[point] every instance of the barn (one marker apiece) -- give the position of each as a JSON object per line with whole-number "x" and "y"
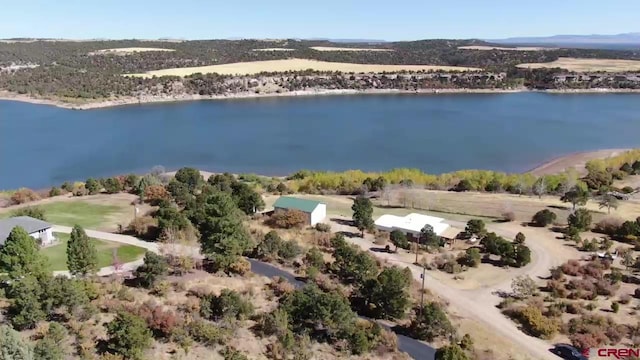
{"x": 316, "y": 211}
{"x": 413, "y": 223}
{"x": 38, "y": 229}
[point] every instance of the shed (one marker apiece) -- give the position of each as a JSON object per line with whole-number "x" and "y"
{"x": 38, "y": 229}
{"x": 315, "y": 210}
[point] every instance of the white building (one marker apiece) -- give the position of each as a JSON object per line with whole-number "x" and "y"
{"x": 38, "y": 229}
{"x": 413, "y": 224}
{"x": 316, "y": 211}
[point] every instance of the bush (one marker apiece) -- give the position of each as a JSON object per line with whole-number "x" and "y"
{"x": 571, "y": 268}
{"x": 471, "y": 258}
{"x": 322, "y": 227}
{"x": 432, "y": 324}
{"x": 535, "y": 323}
{"x": 128, "y": 336}
{"x": 154, "y": 194}
{"x": 615, "y": 307}
{"x": 625, "y": 299}
{"x": 509, "y": 216}
{"x": 24, "y": 195}
{"x": 628, "y": 190}
{"x": 608, "y": 226}
{"x": 580, "y": 219}
{"x": 55, "y": 191}
{"x": 144, "y": 226}
{"x": 31, "y": 211}
{"x": 288, "y": 219}
{"x": 636, "y": 293}
{"x": 543, "y": 218}
{"x": 162, "y": 322}
{"x": 228, "y": 303}
{"x": 205, "y": 333}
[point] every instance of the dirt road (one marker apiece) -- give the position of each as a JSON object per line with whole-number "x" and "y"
{"x": 479, "y": 304}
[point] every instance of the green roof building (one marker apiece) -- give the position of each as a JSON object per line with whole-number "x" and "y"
{"x": 315, "y": 210}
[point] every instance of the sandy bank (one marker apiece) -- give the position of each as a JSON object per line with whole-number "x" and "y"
{"x": 5, "y": 95}
{"x": 576, "y": 160}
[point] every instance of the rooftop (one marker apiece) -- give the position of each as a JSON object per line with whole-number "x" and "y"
{"x": 292, "y": 203}
{"x": 413, "y": 223}
{"x": 30, "y": 224}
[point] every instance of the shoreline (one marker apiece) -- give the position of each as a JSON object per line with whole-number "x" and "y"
{"x": 9, "y": 96}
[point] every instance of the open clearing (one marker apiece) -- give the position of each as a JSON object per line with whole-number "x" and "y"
{"x": 96, "y": 212}
{"x": 255, "y": 67}
{"x": 57, "y": 254}
{"x": 330, "y": 48}
{"x": 517, "y": 48}
{"x": 274, "y": 49}
{"x": 126, "y": 51}
{"x": 585, "y": 65}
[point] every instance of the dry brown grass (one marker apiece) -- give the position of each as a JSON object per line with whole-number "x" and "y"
{"x": 274, "y": 49}
{"x": 255, "y": 67}
{"x": 517, "y": 48}
{"x": 331, "y": 48}
{"x": 587, "y": 65}
{"x": 126, "y": 51}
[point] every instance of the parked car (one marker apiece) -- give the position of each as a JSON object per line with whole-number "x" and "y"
{"x": 568, "y": 352}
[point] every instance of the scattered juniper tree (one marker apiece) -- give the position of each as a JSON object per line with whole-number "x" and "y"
{"x": 362, "y": 214}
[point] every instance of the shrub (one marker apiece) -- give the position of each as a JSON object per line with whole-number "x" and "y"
{"x": 471, "y": 258}
{"x": 543, "y": 218}
{"x": 32, "y": 211}
{"x": 580, "y": 219}
{"x": 154, "y": 194}
{"x": 535, "y": 323}
{"x": 571, "y": 268}
{"x": 162, "y": 322}
{"x": 24, "y": 195}
{"x": 228, "y": 303}
{"x": 627, "y": 190}
{"x": 79, "y": 189}
{"x": 557, "y": 288}
{"x": 128, "y": 335}
{"x": 113, "y": 185}
{"x": 287, "y": 219}
{"x": 143, "y": 226}
{"x": 240, "y": 266}
{"x": 615, "y": 307}
{"x": 636, "y": 293}
{"x": 55, "y": 191}
{"x": 322, "y": 227}
{"x": 608, "y": 226}
{"x": 205, "y": 332}
{"x": 625, "y": 299}
{"x": 509, "y": 216}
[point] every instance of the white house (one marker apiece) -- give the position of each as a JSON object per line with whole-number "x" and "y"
{"x": 316, "y": 211}
{"x": 38, "y": 229}
{"x": 413, "y": 223}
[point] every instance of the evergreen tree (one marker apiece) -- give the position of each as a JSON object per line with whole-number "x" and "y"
{"x": 451, "y": 352}
{"x": 26, "y": 309}
{"x": 12, "y": 346}
{"x": 387, "y": 295}
{"x": 82, "y": 256}
{"x": 129, "y": 336}
{"x": 362, "y": 214}
{"x": 154, "y": 266}
{"x": 20, "y": 256}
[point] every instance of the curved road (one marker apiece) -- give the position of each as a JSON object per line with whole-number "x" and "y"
{"x": 415, "y": 348}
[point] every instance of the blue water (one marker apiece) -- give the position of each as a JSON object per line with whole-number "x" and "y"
{"x": 44, "y": 145}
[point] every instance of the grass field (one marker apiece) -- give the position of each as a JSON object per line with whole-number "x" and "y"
{"x": 85, "y": 214}
{"x": 517, "y": 48}
{"x": 254, "y": 67}
{"x": 330, "y": 48}
{"x": 585, "y": 65}
{"x": 126, "y": 51}
{"x": 57, "y": 254}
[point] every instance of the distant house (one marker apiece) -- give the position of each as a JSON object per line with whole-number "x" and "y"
{"x": 413, "y": 224}
{"x": 315, "y": 210}
{"x": 38, "y": 229}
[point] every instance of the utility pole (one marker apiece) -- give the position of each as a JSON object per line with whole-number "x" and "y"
{"x": 424, "y": 268}
{"x": 417, "y": 247}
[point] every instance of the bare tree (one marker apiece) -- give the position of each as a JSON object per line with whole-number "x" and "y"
{"x": 540, "y": 187}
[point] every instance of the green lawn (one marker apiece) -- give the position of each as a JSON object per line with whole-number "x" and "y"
{"x": 57, "y": 254}
{"x": 70, "y": 213}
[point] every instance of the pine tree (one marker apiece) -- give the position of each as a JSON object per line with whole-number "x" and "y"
{"x": 82, "y": 257}
{"x": 362, "y": 214}
{"x": 21, "y": 256}
{"x": 12, "y": 346}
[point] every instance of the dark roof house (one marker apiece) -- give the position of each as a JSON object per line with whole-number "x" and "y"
{"x": 30, "y": 225}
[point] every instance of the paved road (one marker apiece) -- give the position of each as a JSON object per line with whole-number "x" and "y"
{"x": 414, "y": 348}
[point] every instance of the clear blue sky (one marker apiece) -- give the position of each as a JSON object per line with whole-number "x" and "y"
{"x": 368, "y": 19}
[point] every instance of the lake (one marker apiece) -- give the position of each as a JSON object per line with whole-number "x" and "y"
{"x": 43, "y": 145}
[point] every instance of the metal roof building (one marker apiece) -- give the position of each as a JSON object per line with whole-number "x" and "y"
{"x": 315, "y": 210}
{"x": 414, "y": 223}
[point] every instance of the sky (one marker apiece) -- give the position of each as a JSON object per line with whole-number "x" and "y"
{"x": 336, "y": 19}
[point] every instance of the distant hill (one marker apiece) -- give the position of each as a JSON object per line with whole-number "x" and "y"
{"x": 628, "y": 40}
{"x": 352, "y": 41}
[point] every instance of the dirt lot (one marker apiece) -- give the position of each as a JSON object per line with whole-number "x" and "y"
{"x": 586, "y": 65}
{"x": 330, "y": 48}
{"x": 254, "y": 67}
{"x": 517, "y": 48}
{"x": 126, "y": 51}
